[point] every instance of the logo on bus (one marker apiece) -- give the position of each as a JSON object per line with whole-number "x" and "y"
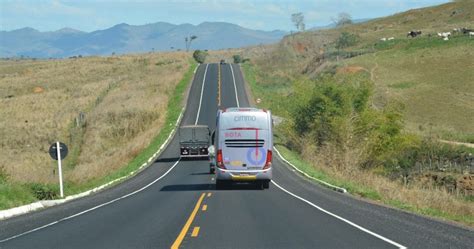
{"x": 232, "y": 134}
{"x": 245, "y": 118}
{"x": 256, "y": 156}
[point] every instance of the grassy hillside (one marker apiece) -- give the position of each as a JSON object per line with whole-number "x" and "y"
{"x": 432, "y": 77}
{"x": 369, "y": 115}
{"x": 107, "y": 110}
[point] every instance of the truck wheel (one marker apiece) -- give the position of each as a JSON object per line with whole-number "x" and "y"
{"x": 223, "y": 184}
{"x": 219, "y": 184}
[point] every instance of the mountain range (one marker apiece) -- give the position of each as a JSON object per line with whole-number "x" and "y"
{"x": 124, "y": 38}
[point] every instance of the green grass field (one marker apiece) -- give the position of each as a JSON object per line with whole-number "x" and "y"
{"x": 432, "y": 78}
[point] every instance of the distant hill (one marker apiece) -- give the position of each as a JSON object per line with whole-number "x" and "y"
{"x": 124, "y": 38}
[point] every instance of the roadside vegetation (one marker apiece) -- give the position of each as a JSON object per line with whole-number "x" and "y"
{"x": 368, "y": 114}
{"x": 112, "y": 112}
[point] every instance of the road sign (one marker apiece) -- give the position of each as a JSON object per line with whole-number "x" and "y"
{"x": 58, "y": 151}
{"x": 53, "y": 150}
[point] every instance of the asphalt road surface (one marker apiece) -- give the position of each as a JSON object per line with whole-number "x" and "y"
{"x": 174, "y": 203}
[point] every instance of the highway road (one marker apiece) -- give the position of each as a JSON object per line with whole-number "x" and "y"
{"x": 174, "y": 203}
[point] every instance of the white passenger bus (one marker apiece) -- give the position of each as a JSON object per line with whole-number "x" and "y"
{"x": 243, "y": 143}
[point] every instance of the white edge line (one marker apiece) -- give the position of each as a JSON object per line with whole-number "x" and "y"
{"x": 195, "y": 70}
{"x": 235, "y": 86}
{"x": 329, "y": 185}
{"x": 42, "y": 204}
{"x": 5, "y": 214}
{"x": 8, "y": 213}
{"x": 340, "y": 218}
{"x": 93, "y": 208}
{"x": 338, "y": 189}
{"x": 202, "y": 92}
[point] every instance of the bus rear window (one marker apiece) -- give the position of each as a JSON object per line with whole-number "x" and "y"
{"x": 243, "y": 121}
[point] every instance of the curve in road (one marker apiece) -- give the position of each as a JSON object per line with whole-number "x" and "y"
{"x": 174, "y": 203}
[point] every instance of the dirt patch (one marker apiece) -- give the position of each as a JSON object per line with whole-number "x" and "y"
{"x": 300, "y": 47}
{"x": 38, "y": 89}
{"x": 466, "y": 183}
{"x": 452, "y": 183}
{"x": 351, "y": 69}
{"x": 470, "y": 145}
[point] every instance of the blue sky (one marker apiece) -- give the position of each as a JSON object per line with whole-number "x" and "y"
{"x": 89, "y": 15}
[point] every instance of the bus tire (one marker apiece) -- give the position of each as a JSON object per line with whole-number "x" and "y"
{"x": 266, "y": 184}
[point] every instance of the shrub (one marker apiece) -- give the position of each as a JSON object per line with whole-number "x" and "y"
{"x": 322, "y": 105}
{"x": 237, "y": 59}
{"x": 44, "y": 192}
{"x": 200, "y": 56}
{"x": 346, "y": 40}
{"x": 336, "y": 112}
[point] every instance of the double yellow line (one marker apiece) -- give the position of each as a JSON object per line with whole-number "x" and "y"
{"x": 190, "y": 220}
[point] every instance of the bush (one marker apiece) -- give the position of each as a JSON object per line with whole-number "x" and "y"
{"x": 346, "y": 40}
{"x": 237, "y": 59}
{"x": 44, "y": 192}
{"x": 332, "y": 112}
{"x": 200, "y": 56}
{"x": 322, "y": 104}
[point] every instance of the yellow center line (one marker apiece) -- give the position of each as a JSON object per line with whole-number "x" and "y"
{"x": 195, "y": 232}
{"x": 204, "y": 207}
{"x": 185, "y": 229}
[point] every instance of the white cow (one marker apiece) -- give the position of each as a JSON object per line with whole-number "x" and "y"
{"x": 445, "y": 35}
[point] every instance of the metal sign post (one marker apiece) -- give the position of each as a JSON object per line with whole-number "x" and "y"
{"x": 58, "y": 150}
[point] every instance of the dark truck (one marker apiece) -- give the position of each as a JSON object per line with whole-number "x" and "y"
{"x": 194, "y": 140}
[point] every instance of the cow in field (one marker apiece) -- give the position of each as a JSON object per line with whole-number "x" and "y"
{"x": 414, "y": 33}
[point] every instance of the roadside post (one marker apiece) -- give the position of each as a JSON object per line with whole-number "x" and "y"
{"x": 58, "y": 151}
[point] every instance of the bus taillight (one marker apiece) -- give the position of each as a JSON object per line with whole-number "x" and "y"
{"x": 268, "y": 162}
{"x": 220, "y": 162}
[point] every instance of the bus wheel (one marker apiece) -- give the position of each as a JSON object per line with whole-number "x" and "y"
{"x": 266, "y": 184}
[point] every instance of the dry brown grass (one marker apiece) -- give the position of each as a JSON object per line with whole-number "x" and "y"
{"x": 124, "y": 99}
{"x": 419, "y": 196}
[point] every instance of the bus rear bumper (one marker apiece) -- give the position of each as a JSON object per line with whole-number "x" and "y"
{"x": 243, "y": 175}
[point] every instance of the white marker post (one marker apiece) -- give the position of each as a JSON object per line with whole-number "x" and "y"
{"x": 58, "y": 151}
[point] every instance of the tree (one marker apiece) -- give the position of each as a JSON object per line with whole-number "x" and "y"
{"x": 345, "y": 40}
{"x": 298, "y": 21}
{"x": 188, "y": 40}
{"x": 199, "y": 56}
{"x": 342, "y": 19}
{"x": 237, "y": 58}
